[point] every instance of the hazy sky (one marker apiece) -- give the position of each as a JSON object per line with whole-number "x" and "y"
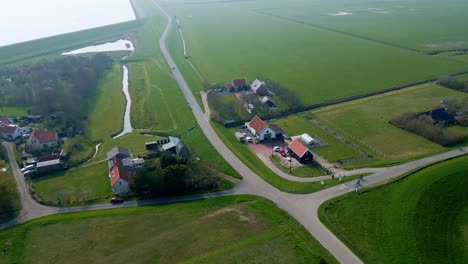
{"x": 23, "y": 20}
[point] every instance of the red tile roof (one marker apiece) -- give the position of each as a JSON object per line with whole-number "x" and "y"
{"x": 257, "y": 124}
{"x": 298, "y": 149}
{"x": 8, "y": 129}
{"x": 5, "y": 120}
{"x": 44, "y": 137}
{"x": 120, "y": 172}
{"x": 48, "y": 157}
{"x": 239, "y": 83}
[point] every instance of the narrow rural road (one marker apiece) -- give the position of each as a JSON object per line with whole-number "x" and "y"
{"x": 304, "y": 208}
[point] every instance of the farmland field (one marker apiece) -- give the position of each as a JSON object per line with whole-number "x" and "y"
{"x": 13, "y": 111}
{"x": 382, "y": 21}
{"x": 422, "y": 218}
{"x": 365, "y": 121}
{"x": 321, "y": 65}
{"x": 220, "y": 230}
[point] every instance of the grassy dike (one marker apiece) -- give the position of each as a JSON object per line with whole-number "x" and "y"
{"x": 246, "y": 229}
{"x": 419, "y": 218}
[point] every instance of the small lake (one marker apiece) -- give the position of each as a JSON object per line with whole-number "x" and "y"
{"x": 121, "y": 44}
{"x": 24, "y": 20}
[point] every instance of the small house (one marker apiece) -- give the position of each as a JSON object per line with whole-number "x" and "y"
{"x": 230, "y": 88}
{"x": 41, "y": 141}
{"x": 119, "y": 152}
{"x": 260, "y": 129}
{"x": 300, "y": 152}
{"x": 280, "y": 134}
{"x": 176, "y": 146}
{"x": 259, "y": 88}
{"x": 49, "y": 166}
{"x": 121, "y": 178}
{"x": 442, "y": 116}
{"x": 266, "y": 100}
{"x": 5, "y": 121}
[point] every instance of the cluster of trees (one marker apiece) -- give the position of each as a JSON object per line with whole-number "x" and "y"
{"x": 289, "y": 97}
{"x": 459, "y": 109}
{"x": 171, "y": 176}
{"x": 425, "y": 128}
{"x": 226, "y": 108}
{"x": 452, "y": 83}
{"x": 61, "y": 87}
{"x": 9, "y": 199}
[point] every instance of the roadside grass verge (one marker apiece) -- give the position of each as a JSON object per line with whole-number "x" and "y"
{"x": 257, "y": 166}
{"x": 10, "y": 203}
{"x": 366, "y": 122}
{"x": 306, "y": 171}
{"x": 236, "y": 228}
{"x": 202, "y": 149}
{"x": 423, "y": 220}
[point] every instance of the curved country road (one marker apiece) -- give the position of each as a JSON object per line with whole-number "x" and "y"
{"x": 302, "y": 207}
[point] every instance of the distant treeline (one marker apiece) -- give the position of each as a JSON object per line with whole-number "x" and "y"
{"x": 452, "y": 83}
{"x": 60, "y": 87}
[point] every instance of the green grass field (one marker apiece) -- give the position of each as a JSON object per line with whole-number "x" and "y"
{"x": 238, "y": 229}
{"x": 106, "y": 117}
{"x": 365, "y": 121}
{"x": 307, "y": 59}
{"x": 13, "y": 111}
{"x": 75, "y": 186}
{"x": 296, "y": 125}
{"x": 306, "y": 171}
{"x": 422, "y": 218}
{"x": 381, "y": 21}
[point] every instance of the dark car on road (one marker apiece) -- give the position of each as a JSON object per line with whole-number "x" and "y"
{"x": 116, "y": 200}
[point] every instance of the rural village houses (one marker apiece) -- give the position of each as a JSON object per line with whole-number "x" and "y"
{"x": 10, "y": 131}
{"x": 259, "y": 88}
{"x": 122, "y": 169}
{"x": 297, "y": 150}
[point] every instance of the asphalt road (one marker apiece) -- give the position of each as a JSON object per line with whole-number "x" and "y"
{"x": 302, "y": 207}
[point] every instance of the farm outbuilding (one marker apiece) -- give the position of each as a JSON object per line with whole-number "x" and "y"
{"x": 307, "y": 140}
{"x": 297, "y": 150}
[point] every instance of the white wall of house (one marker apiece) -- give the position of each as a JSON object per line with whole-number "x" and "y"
{"x": 121, "y": 187}
{"x": 267, "y": 131}
{"x": 36, "y": 146}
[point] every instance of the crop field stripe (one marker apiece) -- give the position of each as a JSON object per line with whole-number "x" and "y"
{"x": 340, "y": 32}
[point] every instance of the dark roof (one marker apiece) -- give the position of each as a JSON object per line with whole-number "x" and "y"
{"x": 239, "y": 83}
{"x": 48, "y": 157}
{"x": 45, "y": 136}
{"x": 276, "y": 128}
{"x": 8, "y": 129}
{"x": 121, "y": 152}
{"x": 5, "y": 120}
{"x": 298, "y": 148}
{"x": 257, "y": 124}
{"x": 441, "y": 114}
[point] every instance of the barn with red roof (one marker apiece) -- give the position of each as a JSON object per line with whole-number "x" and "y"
{"x": 297, "y": 150}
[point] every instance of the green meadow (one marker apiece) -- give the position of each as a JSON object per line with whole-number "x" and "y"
{"x": 384, "y": 21}
{"x": 366, "y": 121}
{"x": 233, "y": 40}
{"x": 420, "y": 218}
{"x": 237, "y": 229}
{"x": 13, "y": 111}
